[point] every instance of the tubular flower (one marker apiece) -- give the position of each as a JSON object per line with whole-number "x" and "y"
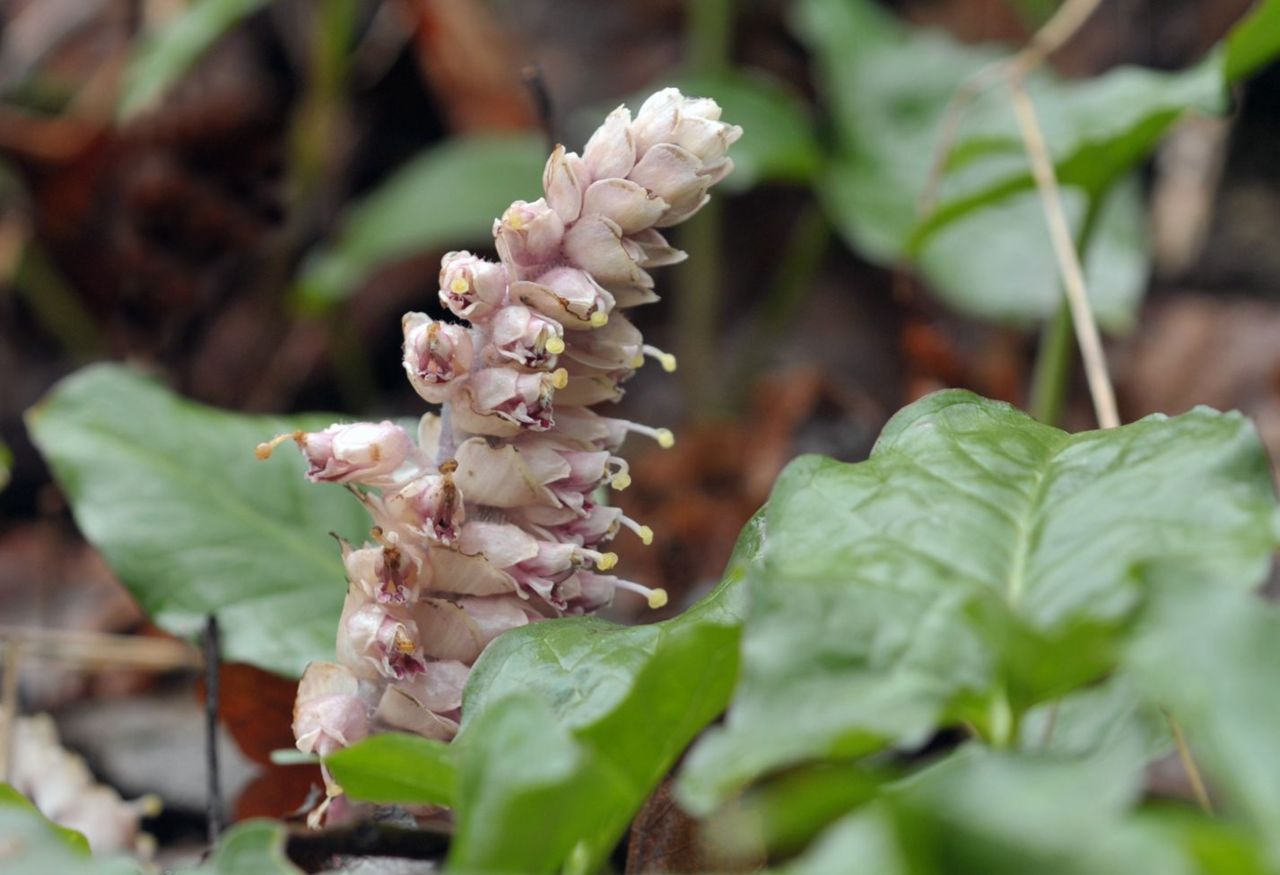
{"x": 493, "y": 518}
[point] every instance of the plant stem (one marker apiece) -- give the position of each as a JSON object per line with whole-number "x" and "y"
{"x": 1189, "y": 765}
{"x": 792, "y": 281}
{"x": 1095, "y": 362}
{"x": 1056, "y": 351}
{"x": 212, "y": 660}
{"x": 708, "y": 30}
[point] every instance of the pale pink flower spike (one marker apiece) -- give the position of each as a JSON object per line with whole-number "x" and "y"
{"x": 491, "y": 521}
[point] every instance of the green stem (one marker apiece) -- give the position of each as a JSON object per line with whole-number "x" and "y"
{"x": 708, "y": 32}
{"x": 792, "y": 282}
{"x": 1056, "y": 355}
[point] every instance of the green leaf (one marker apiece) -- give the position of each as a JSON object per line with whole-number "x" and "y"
{"x": 192, "y": 522}
{"x": 582, "y": 717}
{"x": 447, "y": 196}
{"x": 1098, "y": 130}
{"x": 161, "y": 59}
{"x": 31, "y": 844}
{"x": 6, "y": 464}
{"x": 395, "y": 768}
{"x": 252, "y": 847}
{"x": 978, "y": 563}
{"x": 778, "y": 143}
{"x": 1211, "y": 659}
{"x": 1005, "y": 813}
{"x": 887, "y": 86}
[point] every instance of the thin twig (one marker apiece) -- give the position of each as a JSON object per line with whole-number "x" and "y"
{"x": 9, "y": 704}
{"x": 1095, "y": 362}
{"x": 1189, "y": 765}
{"x": 101, "y": 649}
{"x": 212, "y": 658}
{"x": 1051, "y": 36}
{"x": 536, "y": 81}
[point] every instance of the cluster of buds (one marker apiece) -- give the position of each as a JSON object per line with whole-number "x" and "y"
{"x": 59, "y": 784}
{"x": 491, "y": 518}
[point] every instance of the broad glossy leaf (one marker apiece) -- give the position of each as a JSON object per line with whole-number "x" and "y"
{"x": 31, "y": 844}
{"x": 887, "y": 86}
{"x": 1213, "y": 660}
{"x": 447, "y": 196}
{"x": 1006, "y": 813}
{"x": 569, "y": 725}
{"x": 1099, "y": 129}
{"x": 192, "y": 522}
{"x": 396, "y": 768}
{"x": 253, "y": 847}
{"x": 979, "y": 562}
{"x": 161, "y": 59}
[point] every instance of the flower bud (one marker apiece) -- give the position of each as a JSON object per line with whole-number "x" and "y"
{"x": 589, "y": 386}
{"x": 459, "y": 628}
{"x": 436, "y": 355}
{"x": 629, "y": 205}
{"x": 430, "y": 506}
{"x": 528, "y": 234}
{"x": 471, "y": 287}
{"x": 673, "y": 174}
{"x": 374, "y": 642}
{"x": 656, "y": 120}
{"x": 328, "y": 713}
{"x": 526, "y": 338}
{"x": 584, "y": 592}
{"x": 655, "y": 251}
{"x": 568, "y": 295}
{"x": 400, "y": 709}
{"x": 611, "y": 151}
{"x": 385, "y": 574}
{"x": 361, "y": 452}
{"x": 503, "y": 402}
{"x": 594, "y": 244}
{"x": 616, "y": 345}
{"x": 564, "y": 180}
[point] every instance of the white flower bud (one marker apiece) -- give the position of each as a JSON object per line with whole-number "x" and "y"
{"x": 611, "y": 151}
{"x": 471, "y": 287}
{"x": 528, "y": 234}
{"x": 436, "y": 355}
{"x": 564, "y": 180}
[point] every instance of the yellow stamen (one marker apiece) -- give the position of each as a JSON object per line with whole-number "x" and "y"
{"x": 560, "y": 378}
{"x": 264, "y": 449}
{"x": 403, "y": 643}
{"x": 638, "y": 361}
{"x": 620, "y": 481}
{"x": 555, "y": 345}
{"x": 460, "y": 285}
{"x": 665, "y": 438}
{"x": 668, "y": 362}
{"x": 658, "y": 599}
{"x": 646, "y": 535}
{"x": 599, "y": 319}
{"x": 607, "y": 561}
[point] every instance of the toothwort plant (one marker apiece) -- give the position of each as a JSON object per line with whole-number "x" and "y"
{"x": 491, "y": 521}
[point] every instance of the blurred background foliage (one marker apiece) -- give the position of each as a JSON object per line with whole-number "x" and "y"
{"x": 240, "y": 198}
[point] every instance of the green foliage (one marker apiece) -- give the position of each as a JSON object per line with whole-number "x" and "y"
{"x": 31, "y": 844}
{"x": 985, "y": 248}
{"x": 6, "y": 464}
{"x": 252, "y": 847}
{"x": 396, "y": 768}
{"x": 171, "y": 493}
{"x": 161, "y": 59}
{"x": 447, "y": 196}
{"x": 1211, "y": 660}
{"x": 978, "y": 563}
